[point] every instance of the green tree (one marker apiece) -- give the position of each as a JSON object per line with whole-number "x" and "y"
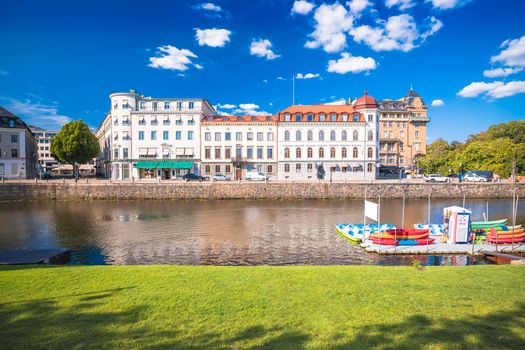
{"x": 74, "y": 144}
{"x": 437, "y": 158}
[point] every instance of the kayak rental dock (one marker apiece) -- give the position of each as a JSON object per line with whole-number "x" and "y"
{"x": 443, "y": 249}
{"x": 40, "y": 256}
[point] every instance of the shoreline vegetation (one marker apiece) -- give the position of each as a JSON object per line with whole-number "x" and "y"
{"x": 293, "y": 307}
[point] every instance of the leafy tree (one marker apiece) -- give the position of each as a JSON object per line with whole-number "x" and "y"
{"x": 437, "y": 158}
{"x": 74, "y": 144}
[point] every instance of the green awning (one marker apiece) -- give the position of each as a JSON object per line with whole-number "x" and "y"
{"x": 146, "y": 165}
{"x": 163, "y": 165}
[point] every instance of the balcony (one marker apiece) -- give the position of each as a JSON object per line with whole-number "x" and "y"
{"x": 154, "y": 122}
{"x": 142, "y": 122}
{"x": 166, "y": 122}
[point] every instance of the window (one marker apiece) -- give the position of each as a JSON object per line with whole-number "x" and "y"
{"x": 298, "y": 135}
{"x": 298, "y": 153}
{"x": 390, "y": 146}
{"x": 249, "y": 152}
{"x": 344, "y": 117}
{"x": 191, "y": 105}
{"x": 154, "y": 106}
{"x": 238, "y": 152}
{"x": 269, "y": 153}
{"x": 14, "y": 138}
{"x": 321, "y": 135}
{"x": 217, "y": 168}
{"x": 333, "y": 117}
{"x": 416, "y": 124}
{"x": 417, "y": 134}
{"x": 310, "y": 135}
{"x": 286, "y": 117}
{"x": 228, "y": 169}
{"x": 166, "y": 105}
{"x": 153, "y": 135}
{"x": 332, "y": 135}
{"x": 287, "y": 168}
{"x": 343, "y": 152}
{"x": 238, "y": 136}
{"x": 355, "y": 153}
{"x": 370, "y": 135}
{"x": 190, "y": 135}
{"x": 298, "y": 167}
{"x": 259, "y": 152}
{"x": 207, "y": 153}
{"x": 310, "y": 152}
{"x": 369, "y": 167}
{"x": 310, "y": 117}
{"x": 355, "y": 135}
{"x": 287, "y": 153}
{"x": 287, "y": 135}
{"x": 142, "y": 105}
{"x": 178, "y": 135}
{"x": 260, "y": 136}
{"x": 385, "y": 124}
{"x": 269, "y": 136}
{"x": 370, "y": 152}
{"x": 322, "y": 117}
{"x": 207, "y": 169}
{"x": 270, "y": 169}
{"x": 356, "y": 117}
{"x": 207, "y": 136}
{"x": 227, "y": 136}
{"x": 141, "y": 135}
{"x": 309, "y": 167}
{"x": 321, "y": 152}
{"x": 165, "y": 135}
{"x": 249, "y": 136}
{"x": 298, "y": 117}
{"x": 179, "y": 105}
{"x": 14, "y": 153}
{"x": 227, "y": 152}
{"x": 115, "y": 154}
{"x": 390, "y": 124}
{"x": 370, "y": 118}
{"x": 332, "y": 152}
{"x": 217, "y": 136}
{"x": 343, "y": 135}
{"x": 402, "y": 134}
{"x": 401, "y": 146}
{"x": 217, "y": 153}
{"x": 125, "y": 153}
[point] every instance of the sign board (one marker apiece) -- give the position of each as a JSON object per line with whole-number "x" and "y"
{"x": 371, "y": 210}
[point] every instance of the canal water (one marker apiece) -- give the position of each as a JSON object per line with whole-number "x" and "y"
{"x": 234, "y": 232}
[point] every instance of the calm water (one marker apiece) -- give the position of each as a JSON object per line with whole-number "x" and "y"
{"x": 215, "y": 232}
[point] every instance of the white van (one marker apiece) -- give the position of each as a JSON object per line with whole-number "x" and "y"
{"x": 256, "y": 176}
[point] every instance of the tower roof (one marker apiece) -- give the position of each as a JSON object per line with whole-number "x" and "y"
{"x": 365, "y": 101}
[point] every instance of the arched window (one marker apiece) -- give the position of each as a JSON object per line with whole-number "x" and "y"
{"x": 332, "y": 152}
{"x": 332, "y": 135}
{"x": 287, "y": 153}
{"x": 298, "y": 135}
{"x": 321, "y": 135}
{"x": 370, "y": 152}
{"x": 298, "y": 152}
{"x": 310, "y": 152}
{"x": 310, "y": 135}
{"x": 370, "y": 135}
{"x": 355, "y": 152}
{"x": 286, "y": 135}
{"x": 343, "y": 135}
{"x": 343, "y": 152}
{"x": 321, "y": 152}
{"x": 355, "y": 135}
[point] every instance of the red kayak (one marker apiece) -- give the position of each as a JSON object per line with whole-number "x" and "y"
{"x": 389, "y": 241}
{"x": 505, "y": 240}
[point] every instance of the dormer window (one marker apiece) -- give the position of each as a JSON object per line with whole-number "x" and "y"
{"x": 310, "y": 117}
{"x": 287, "y": 117}
{"x": 344, "y": 117}
{"x": 239, "y": 119}
{"x": 322, "y": 117}
{"x": 166, "y": 105}
{"x": 298, "y": 117}
{"x": 142, "y": 105}
{"x": 333, "y": 117}
{"x": 356, "y": 117}
{"x": 254, "y": 119}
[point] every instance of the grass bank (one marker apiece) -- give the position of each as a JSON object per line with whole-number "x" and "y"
{"x": 174, "y": 307}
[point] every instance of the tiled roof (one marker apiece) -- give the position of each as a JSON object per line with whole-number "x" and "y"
{"x": 9, "y": 120}
{"x": 317, "y": 109}
{"x": 365, "y": 101}
{"x": 240, "y": 119}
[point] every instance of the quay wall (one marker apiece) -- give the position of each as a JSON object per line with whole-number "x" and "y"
{"x": 247, "y": 190}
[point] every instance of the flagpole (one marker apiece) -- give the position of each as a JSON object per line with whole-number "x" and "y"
{"x": 293, "y": 90}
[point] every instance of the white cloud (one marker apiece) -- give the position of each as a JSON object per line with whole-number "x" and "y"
{"x": 307, "y": 76}
{"x": 494, "y": 90}
{"x": 512, "y": 53}
{"x": 37, "y": 113}
{"x": 212, "y": 37}
{"x": 348, "y": 63}
{"x": 247, "y": 106}
{"x": 501, "y": 72}
{"x": 401, "y": 4}
{"x": 241, "y": 109}
{"x": 358, "y": 6}
{"x": 302, "y": 7}
{"x": 447, "y": 4}
{"x": 172, "y": 58}
{"x": 280, "y": 78}
{"x": 397, "y": 33}
{"x": 208, "y": 6}
{"x": 332, "y": 22}
{"x": 4, "y": 72}
{"x": 227, "y": 106}
{"x": 437, "y": 103}
{"x": 265, "y": 81}
{"x": 262, "y": 48}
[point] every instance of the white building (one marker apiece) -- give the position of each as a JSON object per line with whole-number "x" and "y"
{"x": 330, "y": 142}
{"x": 145, "y": 137}
{"x": 233, "y": 145}
{"x": 18, "y": 151}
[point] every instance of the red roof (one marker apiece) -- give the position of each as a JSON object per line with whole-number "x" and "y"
{"x": 344, "y": 113}
{"x": 240, "y": 119}
{"x": 316, "y": 109}
{"x": 365, "y": 101}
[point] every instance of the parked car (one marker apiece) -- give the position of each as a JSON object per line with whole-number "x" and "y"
{"x": 256, "y": 176}
{"x": 220, "y": 177}
{"x": 435, "y": 178}
{"x": 193, "y": 177}
{"x": 474, "y": 178}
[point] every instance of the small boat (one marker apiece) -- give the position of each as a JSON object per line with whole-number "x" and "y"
{"x": 507, "y": 228}
{"x": 387, "y": 235}
{"x": 345, "y": 231}
{"x": 434, "y": 229}
{"x": 493, "y": 234}
{"x": 505, "y": 240}
{"x": 389, "y": 241}
{"x": 483, "y": 224}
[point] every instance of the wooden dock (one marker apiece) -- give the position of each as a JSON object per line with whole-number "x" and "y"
{"x": 40, "y": 256}
{"x": 443, "y": 249}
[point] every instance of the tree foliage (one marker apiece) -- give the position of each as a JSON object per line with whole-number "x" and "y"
{"x": 493, "y": 150}
{"x": 74, "y": 144}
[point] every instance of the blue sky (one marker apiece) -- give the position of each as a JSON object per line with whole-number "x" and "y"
{"x": 61, "y": 59}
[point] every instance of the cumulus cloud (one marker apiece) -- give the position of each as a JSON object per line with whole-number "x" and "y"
{"x": 37, "y": 113}
{"x": 401, "y": 4}
{"x": 212, "y": 37}
{"x": 331, "y": 24}
{"x": 437, "y": 103}
{"x": 358, "y": 6}
{"x": 501, "y": 72}
{"x": 209, "y": 6}
{"x": 172, "y": 58}
{"x": 512, "y": 53}
{"x": 241, "y": 109}
{"x": 262, "y": 48}
{"x": 281, "y": 78}
{"x": 397, "y": 33}
{"x": 447, "y": 4}
{"x": 227, "y": 106}
{"x": 494, "y": 90}
{"x": 302, "y": 7}
{"x": 354, "y": 64}
{"x": 307, "y": 76}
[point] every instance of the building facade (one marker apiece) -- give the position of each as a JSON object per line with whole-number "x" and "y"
{"x": 329, "y": 142}
{"x": 18, "y": 149}
{"x": 148, "y": 138}
{"x": 402, "y": 130}
{"x": 233, "y": 145}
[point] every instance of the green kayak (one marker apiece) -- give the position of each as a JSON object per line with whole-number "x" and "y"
{"x": 488, "y": 224}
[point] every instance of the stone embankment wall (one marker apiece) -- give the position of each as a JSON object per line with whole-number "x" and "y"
{"x": 233, "y": 190}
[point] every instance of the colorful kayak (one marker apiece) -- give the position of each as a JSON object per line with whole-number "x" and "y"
{"x": 482, "y": 224}
{"x": 387, "y": 241}
{"x": 433, "y": 229}
{"x": 505, "y": 240}
{"x": 515, "y": 233}
{"x": 508, "y": 228}
{"x": 345, "y": 231}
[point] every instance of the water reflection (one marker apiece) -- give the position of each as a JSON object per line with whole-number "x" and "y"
{"x": 215, "y": 232}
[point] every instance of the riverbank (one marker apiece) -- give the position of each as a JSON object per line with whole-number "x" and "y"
{"x": 103, "y": 189}
{"x": 177, "y": 307}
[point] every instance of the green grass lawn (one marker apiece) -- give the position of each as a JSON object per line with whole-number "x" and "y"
{"x": 174, "y": 307}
